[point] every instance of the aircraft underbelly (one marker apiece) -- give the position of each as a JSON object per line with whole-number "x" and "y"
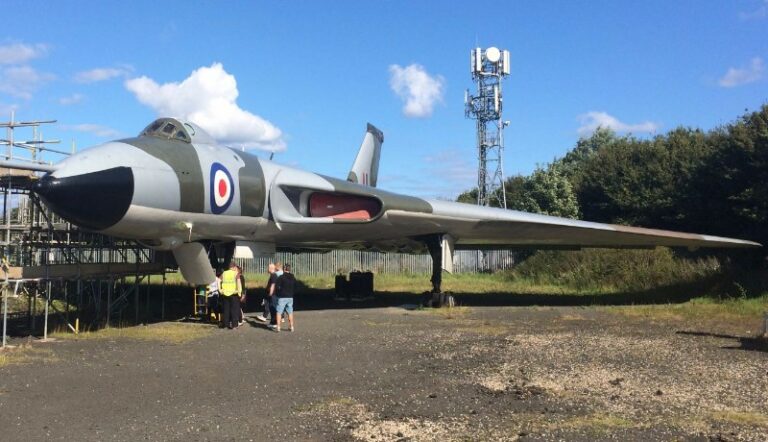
{"x": 145, "y": 222}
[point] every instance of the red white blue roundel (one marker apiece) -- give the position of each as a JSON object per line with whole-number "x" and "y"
{"x": 222, "y": 188}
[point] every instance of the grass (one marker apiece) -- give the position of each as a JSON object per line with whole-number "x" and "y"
{"x": 700, "y": 308}
{"x": 170, "y": 332}
{"x": 689, "y": 302}
{"x": 650, "y": 283}
{"x": 589, "y": 271}
{"x": 606, "y": 270}
{"x": 741, "y": 417}
{"x": 476, "y": 283}
{"x": 26, "y": 355}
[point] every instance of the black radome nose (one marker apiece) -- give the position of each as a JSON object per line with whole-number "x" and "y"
{"x": 95, "y": 200}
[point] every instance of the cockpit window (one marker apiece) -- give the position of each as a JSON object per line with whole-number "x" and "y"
{"x": 169, "y": 129}
{"x": 190, "y": 129}
{"x": 154, "y": 126}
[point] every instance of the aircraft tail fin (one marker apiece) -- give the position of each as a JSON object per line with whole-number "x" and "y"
{"x": 365, "y": 169}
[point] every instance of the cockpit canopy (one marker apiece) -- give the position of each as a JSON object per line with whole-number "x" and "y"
{"x": 175, "y": 129}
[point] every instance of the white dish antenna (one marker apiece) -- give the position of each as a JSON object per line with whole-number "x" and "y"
{"x": 493, "y": 54}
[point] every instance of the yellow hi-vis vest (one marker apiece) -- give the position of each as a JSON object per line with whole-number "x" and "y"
{"x": 228, "y": 283}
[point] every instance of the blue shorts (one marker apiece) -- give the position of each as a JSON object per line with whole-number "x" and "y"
{"x": 284, "y": 304}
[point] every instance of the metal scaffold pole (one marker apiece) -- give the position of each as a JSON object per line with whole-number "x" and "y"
{"x": 47, "y": 303}
{"x": 162, "y": 296}
{"x": 38, "y": 247}
{"x": 5, "y": 314}
{"x": 109, "y": 298}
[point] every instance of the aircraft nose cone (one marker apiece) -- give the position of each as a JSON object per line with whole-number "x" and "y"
{"x": 95, "y": 200}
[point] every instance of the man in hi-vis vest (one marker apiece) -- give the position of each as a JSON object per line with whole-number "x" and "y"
{"x": 230, "y": 290}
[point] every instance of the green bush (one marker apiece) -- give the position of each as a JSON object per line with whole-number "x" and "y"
{"x": 605, "y": 270}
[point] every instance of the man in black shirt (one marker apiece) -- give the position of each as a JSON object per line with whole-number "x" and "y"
{"x": 285, "y": 288}
{"x": 267, "y": 303}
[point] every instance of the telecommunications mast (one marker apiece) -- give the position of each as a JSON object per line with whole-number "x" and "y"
{"x": 488, "y": 68}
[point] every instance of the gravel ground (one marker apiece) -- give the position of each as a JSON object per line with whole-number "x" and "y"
{"x": 472, "y": 373}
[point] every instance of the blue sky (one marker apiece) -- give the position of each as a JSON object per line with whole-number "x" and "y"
{"x": 305, "y": 77}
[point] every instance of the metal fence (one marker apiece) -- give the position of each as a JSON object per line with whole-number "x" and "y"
{"x": 344, "y": 261}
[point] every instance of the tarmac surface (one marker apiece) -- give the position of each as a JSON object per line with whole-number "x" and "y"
{"x": 394, "y": 374}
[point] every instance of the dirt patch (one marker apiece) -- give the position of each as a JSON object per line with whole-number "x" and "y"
{"x": 482, "y": 373}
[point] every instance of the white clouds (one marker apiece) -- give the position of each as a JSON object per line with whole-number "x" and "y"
{"x": 102, "y": 74}
{"x": 208, "y": 97}
{"x": 70, "y": 100}
{"x": 443, "y": 175}
{"x": 756, "y": 14}
{"x": 454, "y": 166}
{"x": 22, "y": 81}
{"x": 6, "y": 109}
{"x": 95, "y": 129}
{"x": 417, "y": 88}
{"x": 18, "y": 79}
{"x": 590, "y": 121}
{"x": 20, "y": 53}
{"x": 449, "y": 173}
{"x": 745, "y": 75}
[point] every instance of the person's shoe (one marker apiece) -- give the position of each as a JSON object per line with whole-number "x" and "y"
{"x": 276, "y": 329}
{"x": 271, "y": 326}
{"x": 261, "y": 318}
{"x": 283, "y": 321}
{"x": 291, "y": 329}
{"x": 240, "y": 323}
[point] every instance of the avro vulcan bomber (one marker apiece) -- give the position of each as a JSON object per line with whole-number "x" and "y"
{"x": 174, "y": 188}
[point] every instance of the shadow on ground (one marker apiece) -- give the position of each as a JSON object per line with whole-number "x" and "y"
{"x": 177, "y": 303}
{"x": 316, "y": 299}
{"x": 747, "y": 343}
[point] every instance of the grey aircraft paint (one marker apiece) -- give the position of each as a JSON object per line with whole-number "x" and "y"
{"x": 184, "y": 161}
{"x": 365, "y": 169}
{"x": 174, "y": 186}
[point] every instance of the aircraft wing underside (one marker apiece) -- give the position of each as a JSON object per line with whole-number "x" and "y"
{"x": 374, "y": 218}
{"x": 481, "y": 227}
{"x": 528, "y": 230}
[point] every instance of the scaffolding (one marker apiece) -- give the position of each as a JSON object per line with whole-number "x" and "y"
{"x": 44, "y": 257}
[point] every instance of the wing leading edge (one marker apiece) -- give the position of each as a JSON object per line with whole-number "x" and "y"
{"x": 483, "y": 226}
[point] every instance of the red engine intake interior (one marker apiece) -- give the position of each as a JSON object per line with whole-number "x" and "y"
{"x": 339, "y": 206}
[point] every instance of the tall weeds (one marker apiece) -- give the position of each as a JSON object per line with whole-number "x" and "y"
{"x": 605, "y": 270}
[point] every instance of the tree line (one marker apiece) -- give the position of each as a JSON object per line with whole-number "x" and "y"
{"x": 713, "y": 182}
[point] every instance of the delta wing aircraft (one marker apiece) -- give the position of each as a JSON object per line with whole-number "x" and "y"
{"x": 174, "y": 188}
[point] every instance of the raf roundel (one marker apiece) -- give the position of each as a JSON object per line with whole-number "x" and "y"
{"x": 222, "y": 188}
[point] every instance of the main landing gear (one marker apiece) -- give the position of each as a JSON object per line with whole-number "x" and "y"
{"x": 436, "y": 245}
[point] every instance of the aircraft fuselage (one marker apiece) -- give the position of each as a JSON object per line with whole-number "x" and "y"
{"x": 165, "y": 191}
